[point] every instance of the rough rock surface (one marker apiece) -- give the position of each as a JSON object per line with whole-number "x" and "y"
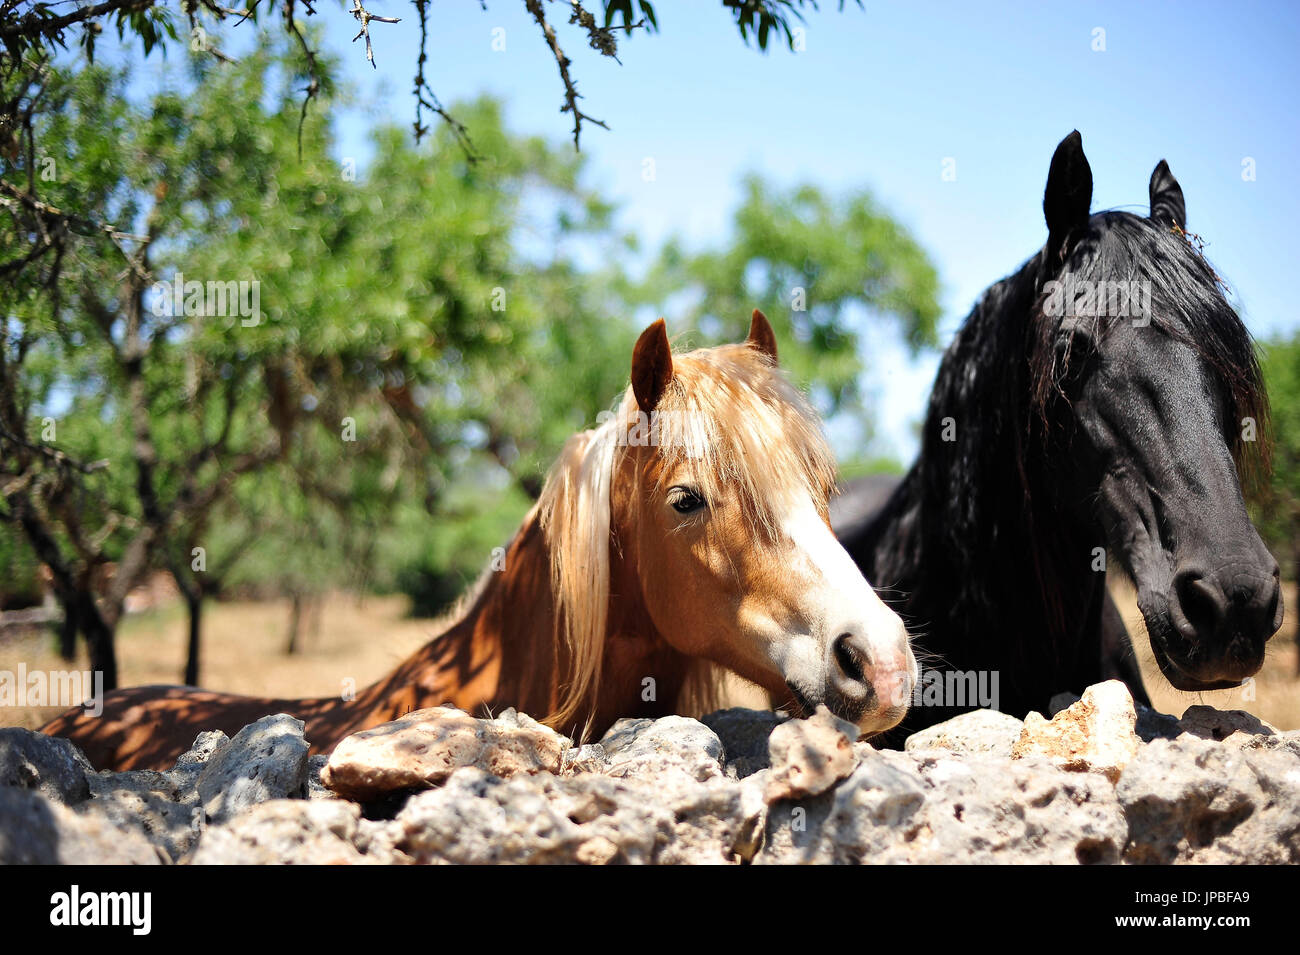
{"x": 979, "y": 731}
{"x": 641, "y": 747}
{"x": 741, "y": 786}
{"x": 936, "y": 807}
{"x": 37, "y": 830}
{"x": 265, "y": 760}
{"x": 287, "y": 832}
{"x": 1194, "y": 800}
{"x": 1234, "y": 727}
{"x": 1097, "y": 734}
{"x": 424, "y": 748}
{"x": 810, "y": 756}
{"x": 53, "y": 767}
{"x": 162, "y": 807}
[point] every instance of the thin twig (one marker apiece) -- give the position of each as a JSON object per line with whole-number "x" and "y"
{"x": 425, "y": 98}
{"x": 59, "y": 458}
{"x": 15, "y": 196}
{"x": 32, "y": 25}
{"x": 313, "y": 73}
{"x": 364, "y": 17}
{"x": 571, "y": 95}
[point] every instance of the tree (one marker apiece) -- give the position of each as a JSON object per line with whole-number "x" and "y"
{"x": 1276, "y": 500}
{"x": 819, "y": 267}
{"x": 47, "y": 26}
{"x": 357, "y": 338}
{"x": 238, "y": 360}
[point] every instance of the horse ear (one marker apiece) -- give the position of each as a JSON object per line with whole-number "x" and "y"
{"x": 1167, "y": 205}
{"x": 761, "y": 335}
{"x": 1069, "y": 192}
{"x": 652, "y": 366}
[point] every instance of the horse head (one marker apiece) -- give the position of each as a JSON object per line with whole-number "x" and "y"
{"x": 719, "y": 485}
{"x": 1142, "y": 367}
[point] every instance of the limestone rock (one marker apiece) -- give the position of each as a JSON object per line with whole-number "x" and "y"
{"x": 477, "y": 818}
{"x": 265, "y": 760}
{"x": 1236, "y": 727}
{"x": 1194, "y": 800}
{"x": 589, "y": 819}
{"x": 740, "y": 786}
{"x": 643, "y": 747}
{"x": 809, "y": 756}
{"x": 979, "y": 731}
{"x": 588, "y": 758}
{"x": 205, "y": 744}
{"x": 315, "y": 768}
{"x": 937, "y": 807}
{"x": 1151, "y": 724}
{"x": 1096, "y": 734}
{"x": 35, "y": 830}
{"x": 48, "y": 764}
{"x": 156, "y": 805}
{"x": 185, "y": 774}
{"x": 287, "y": 832}
{"x": 424, "y": 748}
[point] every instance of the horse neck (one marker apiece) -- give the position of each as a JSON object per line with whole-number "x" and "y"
{"x": 503, "y": 651}
{"x": 500, "y": 645}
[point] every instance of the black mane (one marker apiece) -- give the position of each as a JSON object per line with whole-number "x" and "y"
{"x": 1187, "y": 303}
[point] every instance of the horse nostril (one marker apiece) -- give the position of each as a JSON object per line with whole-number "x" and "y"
{"x": 852, "y": 655}
{"x": 1202, "y": 601}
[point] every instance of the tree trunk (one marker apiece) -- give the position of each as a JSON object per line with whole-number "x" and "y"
{"x": 194, "y": 603}
{"x": 68, "y": 634}
{"x": 295, "y": 623}
{"x": 66, "y": 604}
{"x": 99, "y": 639}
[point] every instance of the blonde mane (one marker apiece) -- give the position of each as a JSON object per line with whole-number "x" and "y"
{"x": 732, "y": 419}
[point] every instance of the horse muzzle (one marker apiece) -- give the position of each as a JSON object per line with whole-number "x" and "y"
{"x": 1219, "y": 622}
{"x": 867, "y": 682}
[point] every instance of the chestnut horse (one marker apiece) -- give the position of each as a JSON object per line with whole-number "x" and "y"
{"x": 686, "y": 535}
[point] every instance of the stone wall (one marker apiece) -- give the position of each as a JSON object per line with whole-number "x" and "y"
{"x": 1101, "y": 782}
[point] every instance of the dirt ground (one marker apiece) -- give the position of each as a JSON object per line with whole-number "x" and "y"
{"x": 349, "y": 638}
{"x": 361, "y": 639}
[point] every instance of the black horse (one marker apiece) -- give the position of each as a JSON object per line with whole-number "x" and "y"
{"x": 1100, "y": 402}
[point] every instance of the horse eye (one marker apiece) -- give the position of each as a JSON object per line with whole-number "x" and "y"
{"x": 683, "y": 500}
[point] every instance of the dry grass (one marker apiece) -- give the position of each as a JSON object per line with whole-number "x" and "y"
{"x": 364, "y": 638}
{"x": 244, "y": 649}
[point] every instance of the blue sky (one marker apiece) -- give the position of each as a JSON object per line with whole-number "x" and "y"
{"x": 879, "y": 99}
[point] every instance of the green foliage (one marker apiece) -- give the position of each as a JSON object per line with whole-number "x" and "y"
{"x": 19, "y": 584}
{"x": 756, "y": 19}
{"x": 423, "y": 326}
{"x": 435, "y": 566}
{"x": 429, "y": 330}
{"x": 1277, "y": 502}
{"x": 820, "y": 268}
